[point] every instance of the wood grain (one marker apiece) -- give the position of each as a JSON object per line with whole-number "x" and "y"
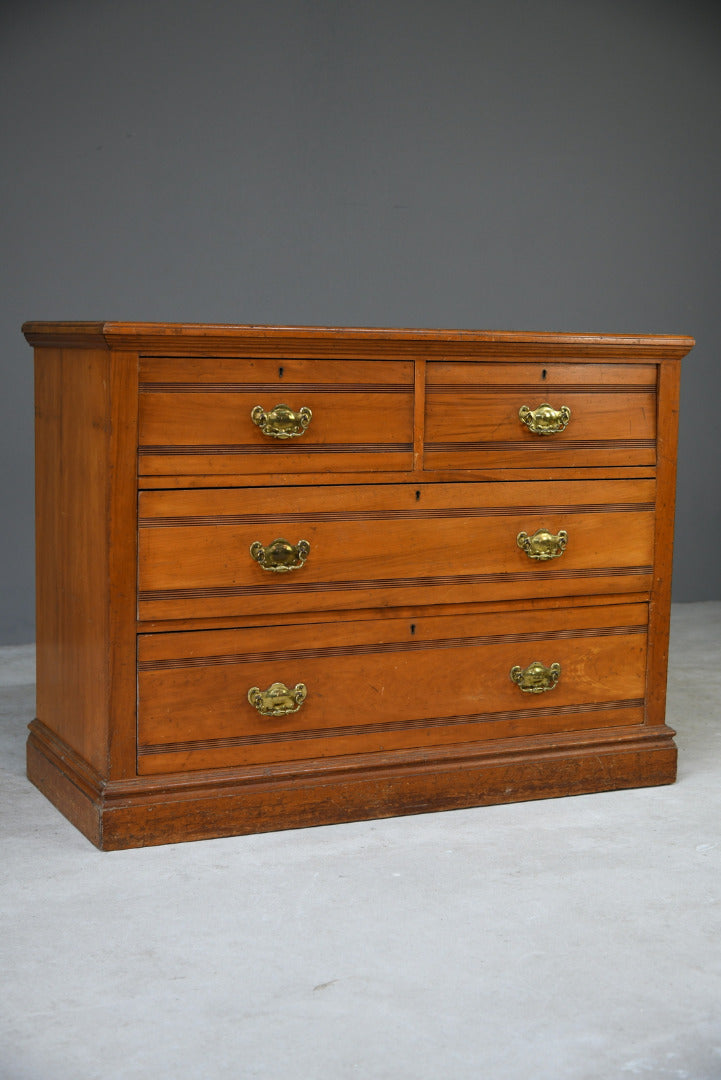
{"x": 172, "y": 808}
{"x": 392, "y": 543}
{"x": 217, "y": 340}
{"x": 85, "y": 552}
{"x": 483, "y": 429}
{"x": 660, "y": 609}
{"x": 388, "y": 686}
{"x": 72, "y": 549}
{"x": 415, "y": 601}
{"x": 195, "y": 416}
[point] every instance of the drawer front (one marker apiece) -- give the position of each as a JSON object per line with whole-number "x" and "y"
{"x": 195, "y": 416}
{"x": 376, "y": 687}
{"x": 472, "y": 415}
{"x": 385, "y": 545}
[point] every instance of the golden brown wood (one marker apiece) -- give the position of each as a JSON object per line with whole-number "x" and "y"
{"x": 387, "y": 686}
{"x": 414, "y": 603}
{"x": 65, "y": 778}
{"x": 72, "y": 596}
{"x": 200, "y": 420}
{"x": 85, "y": 548}
{"x": 668, "y": 395}
{"x": 202, "y": 339}
{"x": 448, "y": 476}
{"x": 188, "y": 806}
{"x": 419, "y": 414}
{"x": 389, "y": 544}
{"x": 553, "y": 603}
{"x": 472, "y": 415}
{"x": 539, "y": 378}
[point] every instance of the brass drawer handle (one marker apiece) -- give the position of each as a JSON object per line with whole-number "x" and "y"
{"x": 543, "y": 545}
{"x": 277, "y": 700}
{"x": 536, "y": 678}
{"x": 280, "y": 556}
{"x": 545, "y": 420}
{"x": 281, "y": 422}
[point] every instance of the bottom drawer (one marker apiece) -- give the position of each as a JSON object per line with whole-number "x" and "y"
{"x": 379, "y": 686}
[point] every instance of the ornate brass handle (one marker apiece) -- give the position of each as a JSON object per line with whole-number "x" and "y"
{"x": 543, "y": 544}
{"x": 280, "y": 556}
{"x": 536, "y": 678}
{"x": 281, "y": 422}
{"x": 545, "y": 420}
{"x": 277, "y": 700}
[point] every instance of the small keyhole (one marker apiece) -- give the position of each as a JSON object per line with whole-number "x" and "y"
{"x": 413, "y": 628}
{"x": 544, "y": 373}
{"x": 418, "y": 495}
{"x": 280, "y": 373}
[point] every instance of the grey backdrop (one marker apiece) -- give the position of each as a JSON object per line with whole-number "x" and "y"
{"x": 500, "y": 164}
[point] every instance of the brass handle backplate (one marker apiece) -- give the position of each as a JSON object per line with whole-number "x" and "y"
{"x": 281, "y": 422}
{"x": 277, "y": 700}
{"x": 543, "y": 545}
{"x": 536, "y": 678}
{"x": 545, "y": 420}
{"x": 280, "y": 556}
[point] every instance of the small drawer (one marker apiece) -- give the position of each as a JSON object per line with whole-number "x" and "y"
{"x": 594, "y": 415}
{"x": 207, "y": 553}
{"x": 215, "y": 699}
{"x": 221, "y": 416}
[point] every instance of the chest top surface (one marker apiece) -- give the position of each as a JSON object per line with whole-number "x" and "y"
{"x": 198, "y": 338}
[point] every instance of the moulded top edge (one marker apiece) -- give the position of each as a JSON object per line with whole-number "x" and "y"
{"x": 189, "y": 338}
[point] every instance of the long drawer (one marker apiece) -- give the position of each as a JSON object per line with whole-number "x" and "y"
{"x": 222, "y": 416}
{"x": 206, "y": 553}
{"x": 365, "y": 687}
{"x": 596, "y": 415}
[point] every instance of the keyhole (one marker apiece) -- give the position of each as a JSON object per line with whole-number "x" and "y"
{"x": 418, "y": 495}
{"x": 544, "y": 373}
{"x": 280, "y": 373}
{"x": 413, "y": 628}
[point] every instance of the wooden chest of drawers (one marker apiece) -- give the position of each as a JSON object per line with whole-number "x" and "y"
{"x": 293, "y": 576}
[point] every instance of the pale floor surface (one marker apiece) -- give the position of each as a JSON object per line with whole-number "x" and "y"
{"x": 571, "y": 938}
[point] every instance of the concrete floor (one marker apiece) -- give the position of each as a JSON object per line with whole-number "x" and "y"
{"x": 572, "y": 938}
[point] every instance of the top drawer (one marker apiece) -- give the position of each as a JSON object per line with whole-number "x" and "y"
{"x": 607, "y": 415}
{"x": 195, "y": 416}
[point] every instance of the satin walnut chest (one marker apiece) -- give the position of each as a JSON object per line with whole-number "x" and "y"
{"x": 295, "y": 576}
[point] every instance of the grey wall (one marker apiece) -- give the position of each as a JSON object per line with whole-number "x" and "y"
{"x": 502, "y": 164}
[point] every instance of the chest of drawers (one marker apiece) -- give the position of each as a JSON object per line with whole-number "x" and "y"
{"x": 295, "y": 576}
